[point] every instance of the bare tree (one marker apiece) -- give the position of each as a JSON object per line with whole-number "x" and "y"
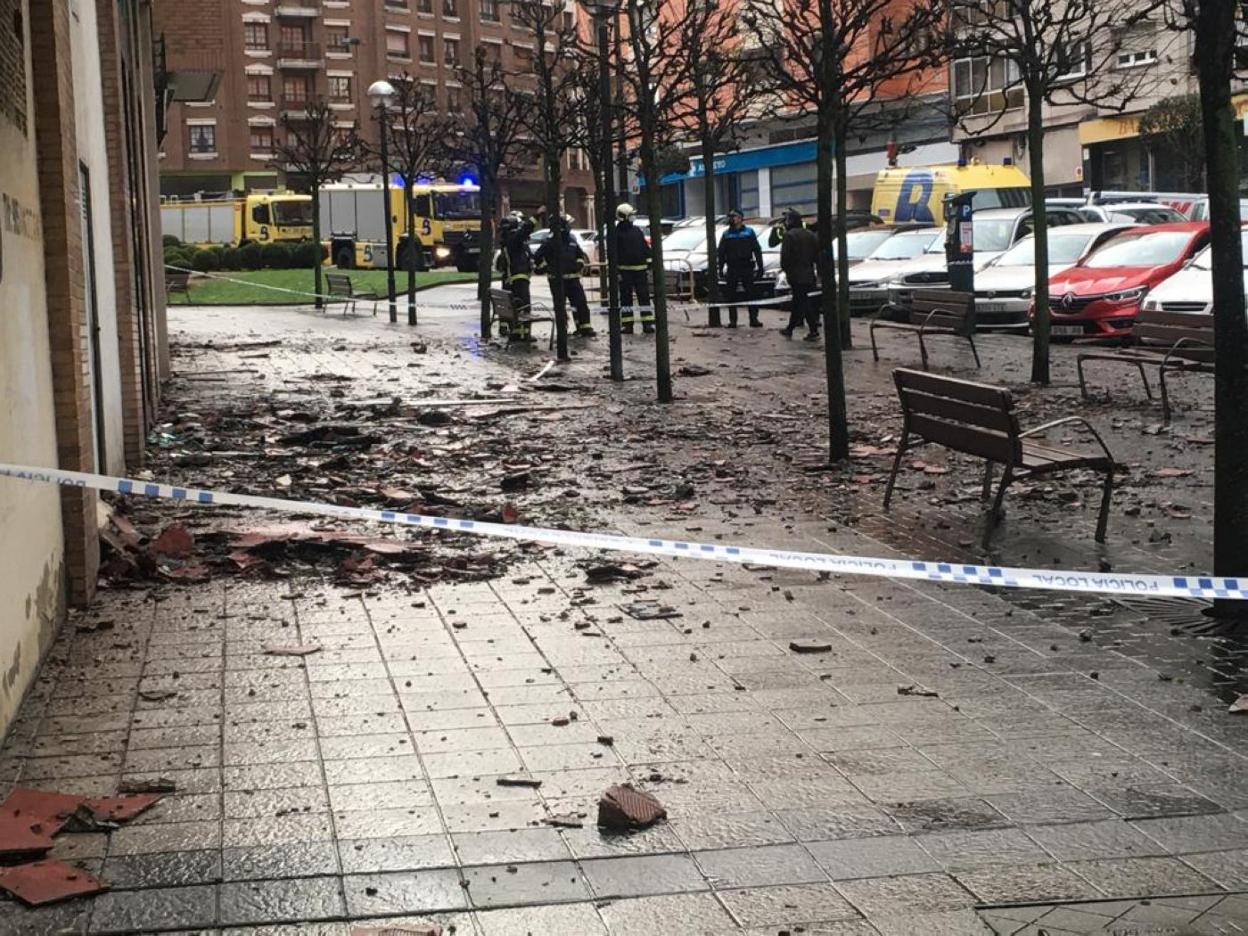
{"x": 1173, "y": 126}
{"x": 1218, "y": 29}
{"x": 418, "y": 135}
{"x": 1056, "y": 53}
{"x": 838, "y": 59}
{"x": 723, "y": 94}
{"x": 316, "y": 151}
{"x": 655, "y": 75}
{"x": 555, "y": 120}
{"x": 490, "y": 139}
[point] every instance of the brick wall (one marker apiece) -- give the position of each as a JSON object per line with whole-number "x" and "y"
{"x": 55, "y": 144}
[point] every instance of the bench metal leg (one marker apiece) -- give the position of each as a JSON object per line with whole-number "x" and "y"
{"x": 892, "y": 477}
{"x": 987, "y": 491}
{"x": 1107, "y": 492}
{"x": 1083, "y": 384}
{"x": 994, "y": 516}
{"x": 1165, "y": 396}
{"x": 875, "y": 352}
{"x": 971, "y": 340}
{"x": 923, "y": 350}
{"x": 1148, "y": 391}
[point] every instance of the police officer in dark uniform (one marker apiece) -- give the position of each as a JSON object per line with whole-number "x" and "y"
{"x": 633, "y": 253}
{"x": 572, "y": 263}
{"x": 515, "y": 263}
{"x": 740, "y": 259}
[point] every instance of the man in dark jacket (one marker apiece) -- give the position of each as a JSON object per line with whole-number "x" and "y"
{"x": 633, "y": 251}
{"x": 740, "y": 259}
{"x": 515, "y": 263}
{"x": 799, "y": 249}
{"x": 572, "y": 261}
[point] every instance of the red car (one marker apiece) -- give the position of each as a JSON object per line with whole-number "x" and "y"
{"x": 1100, "y": 295}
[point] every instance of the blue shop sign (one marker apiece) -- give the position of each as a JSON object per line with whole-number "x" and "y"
{"x": 785, "y": 154}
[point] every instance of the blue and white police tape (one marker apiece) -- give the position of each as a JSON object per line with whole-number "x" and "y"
{"x": 997, "y": 576}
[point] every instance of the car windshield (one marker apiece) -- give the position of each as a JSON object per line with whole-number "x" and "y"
{"x": 904, "y": 246}
{"x": 1152, "y": 214}
{"x": 685, "y": 238}
{"x": 457, "y": 204}
{"x": 1204, "y": 261}
{"x": 1063, "y": 248}
{"x": 293, "y": 211}
{"x": 993, "y": 235}
{"x": 1141, "y": 250}
{"x": 862, "y": 243}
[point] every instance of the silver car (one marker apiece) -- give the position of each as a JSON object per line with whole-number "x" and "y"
{"x": 1003, "y": 288}
{"x": 868, "y": 280}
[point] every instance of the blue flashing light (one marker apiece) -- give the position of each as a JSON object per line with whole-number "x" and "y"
{"x": 467, "y": 180}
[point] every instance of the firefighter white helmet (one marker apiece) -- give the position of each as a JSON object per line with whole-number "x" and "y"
{"x": 625, "y": 212}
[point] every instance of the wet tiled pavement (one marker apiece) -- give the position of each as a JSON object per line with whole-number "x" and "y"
{"x": 1050, "y": 784}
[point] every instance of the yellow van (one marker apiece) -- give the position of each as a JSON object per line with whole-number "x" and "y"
{"x": 916, "y": 195}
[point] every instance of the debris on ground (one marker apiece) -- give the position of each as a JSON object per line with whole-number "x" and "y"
{"x": 649, "y": 611}
{"x": 810, "y": 646}
{"x": 519, "y": 782}
{"x": 604, "y": 572}
{"x": 395, "y": 931}
{"x": 1239, "y": 705}
{"x": 297, "y": 650}
{"x": 916, "y": 690}
{"x": 144, "y": 785}
{"x": 566, "y": 821}
{"x": 37, "y": 883}
{"x": 622, "y": 808}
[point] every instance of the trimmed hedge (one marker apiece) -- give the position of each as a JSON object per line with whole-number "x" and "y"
{"x": 251, "y": 256}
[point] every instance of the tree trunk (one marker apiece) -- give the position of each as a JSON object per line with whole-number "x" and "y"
{"x": 1215, "y": 40}
{"x": 842, "y": 235}
{"x": 485, "y": 265}
{"x": 658, "y": 296}
{"x": 411, "y": 253}
{"x": 834, "y": 365}
{"x": 1040, "y": 325}
{"x": 554, "y": 179}
{"x": 316, "y": 239}
{"x": 712, "y": 247}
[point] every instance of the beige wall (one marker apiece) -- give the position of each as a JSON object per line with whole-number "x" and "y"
{"x": 31, "y": 563}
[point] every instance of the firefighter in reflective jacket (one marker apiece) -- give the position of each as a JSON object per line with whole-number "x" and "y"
{"x": 515, "y": 263}
{"x": 634, "y": 258}
{"x": 572, "y": 262}
{"x": 740, "y": 260}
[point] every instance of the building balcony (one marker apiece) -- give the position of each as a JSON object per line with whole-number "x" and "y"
{"x": 298, "y": 9}
{"x": 295, "y": 107}
{"x": 300, "y": 55}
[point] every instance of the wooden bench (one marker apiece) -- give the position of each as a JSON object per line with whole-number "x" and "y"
{"x": 978, "y": 419}
{"x": 338, "y": 286}
{"x": 1169, "y": 341}
{"x": 935, "y": 312}
{"x": 178, "y": 283}
{"x": 504, "y": 312}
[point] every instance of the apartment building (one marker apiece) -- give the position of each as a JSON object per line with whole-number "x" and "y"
{"x": 277, "y": 55}
{"x": 82, "y": 337}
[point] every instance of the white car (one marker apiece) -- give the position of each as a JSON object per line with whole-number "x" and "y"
{"x": 861, "y": 243}
{"x": 1004, "y": 287}
{"x": 585, "y": 237}
{"x": 1131, "y": 213}
{"x": 868, "y": 280}
{"x": 1191, "y": 288}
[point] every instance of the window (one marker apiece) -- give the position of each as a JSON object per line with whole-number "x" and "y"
{"x": 425, "y": 45}
{"x": 985, "y": 86}
{"x": 569, "y": 20}
{"x": 489, "y": 11}
{"x": 296, "y": 91}
{"x": 1136, "y": 59}
{"x": 336, "y": 39}
{"x": 1071, "y": 60}
{"x": 793, "y": 187}
{"x": 398, "y": 44}
{"x": 450, "y": 48}
{"x": 397, "y": 4}
{"x": 454, "y": 100}
{"x": 450, "y": 9}
{"x": 202, "y": 138}
{"x": 340, "y": 88}
{"x": 524, "y": 58}
{"x": 262, "y": 139}
{"x": 493, "y": 52}
{"x": 259, "y": 88}
{"x": 424, "y": 6}
{"x": 293, "y": 40}
{"x": 256, "y": 37}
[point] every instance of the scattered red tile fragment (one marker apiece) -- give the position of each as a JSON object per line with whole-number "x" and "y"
{"x": 43, "y": 882}
{"x": 621, "y": 807}
{"x": 49, "y": 810}
{"x": 175, "y": 541}
{"x": 23, "y": 835}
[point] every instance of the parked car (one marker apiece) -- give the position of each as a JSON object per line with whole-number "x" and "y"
{"x": 1004, "y": 287}
{"x": 1191, "y": 288}
{"x": 995, "y": 230}
{"x": 1132, "y": 213}
{"x": 1099, "y": 296}
{"x": 584, "y": 236}
{"x": 861, "y": 243}
{"x": 869, "y": 279}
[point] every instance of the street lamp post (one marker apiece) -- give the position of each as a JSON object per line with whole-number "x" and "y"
{"x": 603, "y": 11}
{"x": 381, "y": 93}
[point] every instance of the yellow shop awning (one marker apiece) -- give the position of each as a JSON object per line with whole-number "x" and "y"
{"x": 1126, "y": 126}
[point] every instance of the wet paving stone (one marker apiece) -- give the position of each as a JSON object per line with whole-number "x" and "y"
{"x": 404, "y": 892}
{"x": 579, "y": 918}
{"x": 260, "y": 862}
{"x": 529, "y": 883}
{"x": 961, "y": 851}
{"x": 768, "y": 864}
{"x": 511, "y": 845}
{"x": 288, "y": 901}
{"x": 699, "y": 915}
{"x": 154, "y": 909}
{"x": 872, "y": 857}
{"x": 172, "y": 869}
{"x": 1026, "y": 883}
{"x": 643, "y": 875}
{"x": 1142, "y": 877}
{"x": 398, "y": 853}
{"x": 69, "y": 917}
{"x": 783, "y": 906}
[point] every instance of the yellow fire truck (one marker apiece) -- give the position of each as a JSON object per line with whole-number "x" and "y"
{"x": 446, "y": 225}
{"x": 263, "y": 217}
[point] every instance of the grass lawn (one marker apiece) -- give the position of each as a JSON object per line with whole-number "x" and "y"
{"x": 207, "y": 291}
